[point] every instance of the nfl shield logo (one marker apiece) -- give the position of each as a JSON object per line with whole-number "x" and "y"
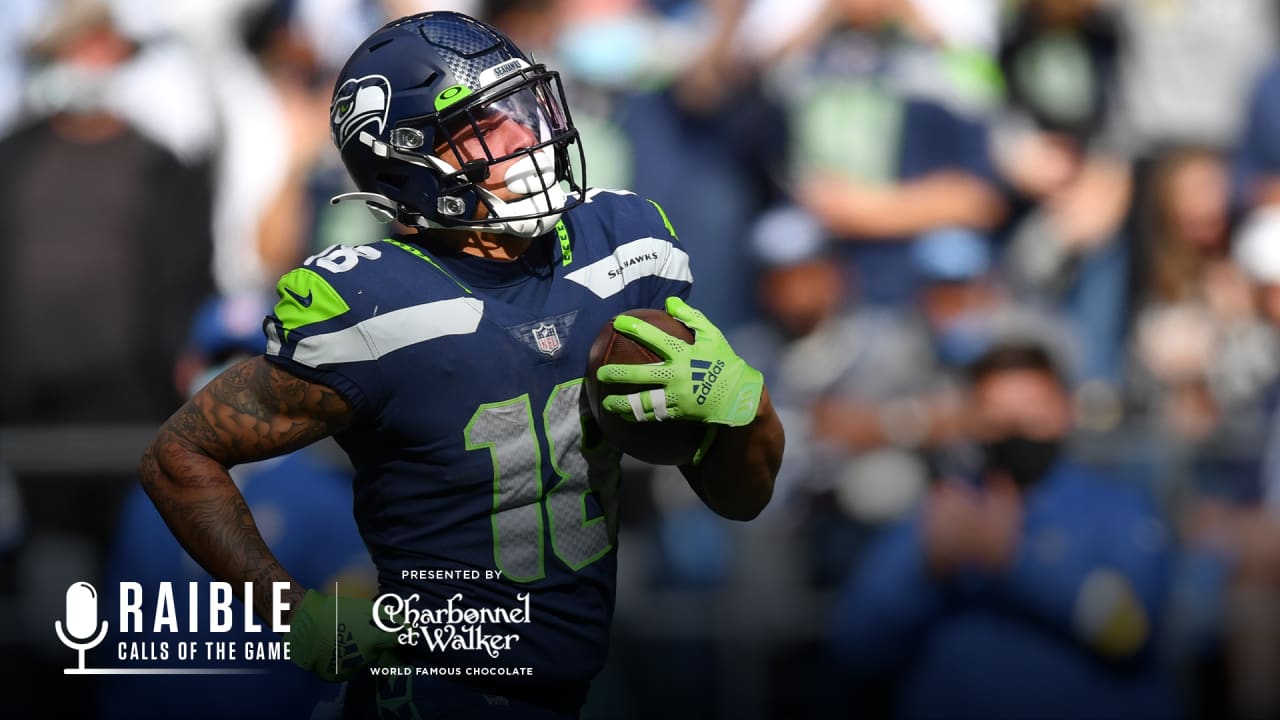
{"x": 547, "y": 338}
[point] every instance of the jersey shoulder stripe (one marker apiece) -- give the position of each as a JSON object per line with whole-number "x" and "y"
{"x": 628, "y": 238}
{"x": 382, "y": 334}
{"x": 631, "y": 261}
{"x": 355, "y": 304}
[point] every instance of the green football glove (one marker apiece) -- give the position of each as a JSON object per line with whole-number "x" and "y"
{"x": 334, "y": 637}
{"x": 705, "y": 381}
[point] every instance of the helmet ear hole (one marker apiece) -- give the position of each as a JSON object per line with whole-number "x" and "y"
{"x": 392, "y": 186}
{"x": 391, "y": 181}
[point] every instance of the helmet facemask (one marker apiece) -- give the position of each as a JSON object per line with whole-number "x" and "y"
{"x": 514, "y": 136}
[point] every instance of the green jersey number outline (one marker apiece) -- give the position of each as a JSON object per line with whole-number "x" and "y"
{"x": 507, "y": 430}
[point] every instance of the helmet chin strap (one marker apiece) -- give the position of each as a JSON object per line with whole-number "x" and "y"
{"x": 542, "y": 197}
{"x": 542, "y": 202}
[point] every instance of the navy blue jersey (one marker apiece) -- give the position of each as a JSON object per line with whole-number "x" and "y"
{"x": 468, "y": 441}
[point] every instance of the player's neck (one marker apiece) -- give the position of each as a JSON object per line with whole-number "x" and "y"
{"x": 490, "y": 246}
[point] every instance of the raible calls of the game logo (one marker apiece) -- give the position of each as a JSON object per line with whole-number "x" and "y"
{"x": 455, "y": 627}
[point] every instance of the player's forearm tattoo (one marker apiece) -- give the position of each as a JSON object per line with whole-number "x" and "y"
{"x": 252, "y": 411}
{"x": 255, "y": 410}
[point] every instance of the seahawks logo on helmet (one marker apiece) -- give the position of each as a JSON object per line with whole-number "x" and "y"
{"x": 359, "y": 102}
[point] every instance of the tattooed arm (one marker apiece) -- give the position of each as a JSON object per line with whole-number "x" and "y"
{"x": 252, "y": 411}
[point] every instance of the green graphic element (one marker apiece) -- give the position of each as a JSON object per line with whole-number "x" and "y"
{"x": 415, "y": 251}
{"x": 1057, "y": 72}
{"x": 975, "y": 74}
{"x": 505, "y": 429}
{"x": 666, "y": 221}
{"x": 576, "y": 539}
{"x": 451, "y": 96}
{"x": 305, "y": 299}
{"x": 849, "y": 127}
{"x": 334, "y": 637}
{"x": 705, "y": 381}
{"x": 566, "y": 249}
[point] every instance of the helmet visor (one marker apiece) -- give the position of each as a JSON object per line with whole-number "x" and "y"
{"x": 524, "y": 118}
{"x": 497, "y": 148}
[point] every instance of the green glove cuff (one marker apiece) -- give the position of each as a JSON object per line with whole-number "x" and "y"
{"x": 334, "y": 637}
{"x": 740, "y": 407}
{"x": 310, "y": 647}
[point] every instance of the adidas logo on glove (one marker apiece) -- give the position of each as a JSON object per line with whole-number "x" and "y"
{"x": 705, "y": 379}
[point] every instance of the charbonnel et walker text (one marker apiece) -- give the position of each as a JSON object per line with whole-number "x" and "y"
{"x": 456, "y": 627}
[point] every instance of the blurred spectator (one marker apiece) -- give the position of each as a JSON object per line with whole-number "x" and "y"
{"x": 1257, "y": 251}
{"x": 1067, "y": 248}
{"x": 857, "y": 387}
{"x": 1070, "y": 250}
{"x": 277, "y": 168}
{"x": 962, "y": 23}
{"x": 768, "y": 29}
{"x": 185, "y": 123}
{"x": 296, "y": 218}
{"x": 1252, "y": 618}
{"x": 698, "y": 132}
{"x": 1059, "y": 62}
{"x": 956, "y": 63}
{"x": 1248, "y": 534}
{"x": 815, "y": 350}
{"x": 21, "y": 17}
{"x": 966, "y": 306}
{"x": 1036, "y": 591}
{"x": 664, "y": 110}
{"x": 262, "y": 78}
{"x": 1185, "y": 71}
{"x": 1198, "y": 337}
{"x": 877, "y": 165}
{"x": 399, "y": 8}
{"x": 896, "y": 410}
{"x": 107, "y": 240}
{"x": 302, "y": 503}
{"x": 1256, "y": 166}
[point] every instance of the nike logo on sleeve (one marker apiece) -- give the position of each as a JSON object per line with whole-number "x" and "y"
{"x": 304, "y": 301}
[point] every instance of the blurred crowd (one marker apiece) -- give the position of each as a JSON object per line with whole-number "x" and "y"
{"x": 1011, "y": 269}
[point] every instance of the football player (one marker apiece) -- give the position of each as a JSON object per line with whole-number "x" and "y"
{"x": 448, "y": 363}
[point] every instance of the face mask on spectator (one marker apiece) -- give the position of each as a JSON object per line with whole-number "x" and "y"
{"x": 1025, "y": 459}
{"x": 608, "y": 51}
{"x": 71, "y": 87}
{"x": 961, "y": 339}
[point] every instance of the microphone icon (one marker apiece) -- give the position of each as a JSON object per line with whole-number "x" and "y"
{"x": 82, "y": 618}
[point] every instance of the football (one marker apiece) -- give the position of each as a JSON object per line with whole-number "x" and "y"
{"x": 672, "y": 442}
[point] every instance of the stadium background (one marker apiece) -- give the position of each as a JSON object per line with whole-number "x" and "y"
{"x": 930, "y": 175}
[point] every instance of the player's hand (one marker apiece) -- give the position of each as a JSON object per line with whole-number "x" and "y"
{"x": 334, "y": 637}
{"x": 705, "y": 381}
{"x": 971, "y": 528}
